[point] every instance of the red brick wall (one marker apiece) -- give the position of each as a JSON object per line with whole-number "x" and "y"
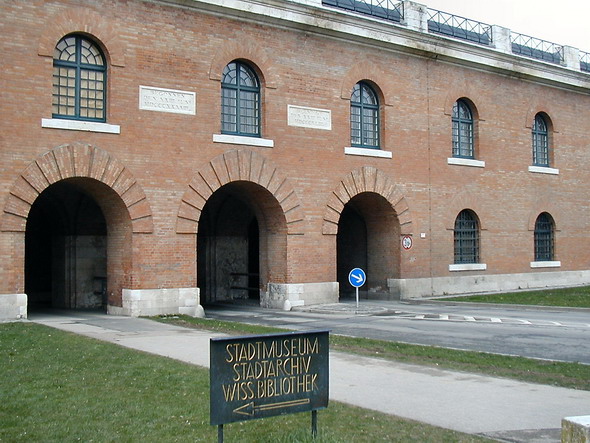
{"x": 171, "y": 165}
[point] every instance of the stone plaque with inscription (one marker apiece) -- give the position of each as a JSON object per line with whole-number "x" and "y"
{"x": 167, "y": 100}
{"x": 267, "y": 375}
{"x": 309, "y": 117}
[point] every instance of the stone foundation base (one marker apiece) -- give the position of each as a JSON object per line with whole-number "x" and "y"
{"x": 575, "y": 429}
{"x": 286, "y": 295}
{"x": 13, "y": 307}
{"x": 414, "y": 288}
{"x": 148, "y": 302}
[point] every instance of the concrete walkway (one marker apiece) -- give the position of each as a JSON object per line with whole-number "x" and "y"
{"x": 499, "y": 408}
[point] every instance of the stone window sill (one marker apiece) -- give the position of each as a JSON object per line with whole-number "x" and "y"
{"x": 545, "y": 264}
{"x": 468, "y": 267}
{"x": 466, "y": 162}
{"x": 241, "y": 140}
{"x": 366, "y": 152}
{"x": 543, "y": 170}
{"x": 80, "y": 125}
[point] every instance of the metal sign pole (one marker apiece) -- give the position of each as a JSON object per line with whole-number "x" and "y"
{"x": 219, "y": 433}
{"x": 357, "y": 278}
{"x": 314, "y": 423}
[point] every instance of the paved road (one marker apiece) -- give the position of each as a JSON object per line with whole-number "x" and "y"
{"x": 548, "y": 333}
{"x": 506, "y": 410}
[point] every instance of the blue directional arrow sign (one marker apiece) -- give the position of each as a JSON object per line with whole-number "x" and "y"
{"x": 357, "y": 277}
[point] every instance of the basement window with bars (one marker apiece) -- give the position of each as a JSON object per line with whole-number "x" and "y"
{"x": 544, "y": 237}
{"x": 79, "y": 80}
{"x": 466, "y": 238}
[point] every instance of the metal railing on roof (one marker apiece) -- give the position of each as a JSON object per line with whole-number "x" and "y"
{"x": 536, "y": 48}
{"x": 459, "y": 27}
{"x": 385, "y": 9}
{"x": 462, "y": 28}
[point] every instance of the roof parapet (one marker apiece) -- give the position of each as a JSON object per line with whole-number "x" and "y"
{"x": 419, "y": 17}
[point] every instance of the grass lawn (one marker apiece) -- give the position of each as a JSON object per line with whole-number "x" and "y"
{"x": 568, "y": 297}
{"x": 60, "y": 387}
{"x": 568, "y": 375}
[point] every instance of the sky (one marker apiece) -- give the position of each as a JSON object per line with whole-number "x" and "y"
{"x": 565, "y": 22}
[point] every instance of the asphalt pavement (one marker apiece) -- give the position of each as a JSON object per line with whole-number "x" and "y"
{"x": 547, "y": 333}
{"x": 502, "y": 409}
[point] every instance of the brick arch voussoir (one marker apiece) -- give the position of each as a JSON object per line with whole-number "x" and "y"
{"x": 82, "y": 20}
{"x": 468, "y": 93}
{"x": 69, "y": 161}
{"x": 542, "y": 107}
{"x": 244, "y": 50}
{"x": 370, "y": 72}
{"x": 461, "y": 202}
{"x": 233, "y": 166}
{"x": 366, "y": 179}
{"x": 548, "y": 207}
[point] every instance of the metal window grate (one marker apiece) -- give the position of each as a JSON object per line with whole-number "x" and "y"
{"x": 536, "y": 48}
{"x": 385, "y": 9}
{"x": 459, "y": 27}
{"x": 466, "y": 238}
{"x": 585, "y": 61}
{"x": 544, "y": 238}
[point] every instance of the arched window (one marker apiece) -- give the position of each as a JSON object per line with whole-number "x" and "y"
{"x": 364, "y": 117}
{"x": 79, "y": 80}
{"x": 540, "y": 141}
{"x": 462, "y": 130}
{"x": 544, "y": 237}
{"x": 466, "y": 238}
{"x": 240, "y": 100}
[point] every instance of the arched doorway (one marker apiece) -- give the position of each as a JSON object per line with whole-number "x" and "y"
{"x": 104, "y": 182}
{"x": 367, "y": 238}
{"x": 65, "y": 250}
{"x": 77, "y": 246}
{"x": 241, "y": 244}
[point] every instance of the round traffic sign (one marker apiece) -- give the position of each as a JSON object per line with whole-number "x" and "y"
{"x": 407, "y": 242}
{"x": 357, "y": 277}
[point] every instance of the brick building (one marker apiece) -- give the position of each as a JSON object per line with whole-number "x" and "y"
{"x": 161, "y": 155}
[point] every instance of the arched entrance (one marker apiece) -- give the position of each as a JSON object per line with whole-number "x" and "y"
{"x": 74, "y": 257}
{"x": 89, "y": 193}
{"x": 368, "y": 238}
{"x": 65, "y": 250}
{"x": 241, "y": 244}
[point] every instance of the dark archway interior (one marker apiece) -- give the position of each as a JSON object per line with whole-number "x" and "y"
{"x": 351, "y": 247}
{"x": 65, "y": 250}
{"x": 368, "y": 238}
{"x": 228, "y": 248}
